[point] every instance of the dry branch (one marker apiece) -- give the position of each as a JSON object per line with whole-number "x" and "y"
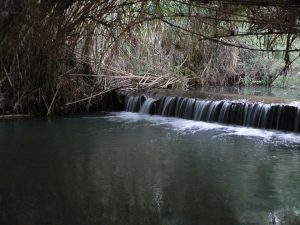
{"x": 93, "y": 96}
{"x": 144, "y": 48}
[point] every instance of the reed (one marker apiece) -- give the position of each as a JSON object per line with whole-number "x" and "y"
{"x": 63, "y": 56}
{"x": 42, "y": 42}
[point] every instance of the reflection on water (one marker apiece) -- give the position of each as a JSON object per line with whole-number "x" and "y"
{"x": 131, "y": 169}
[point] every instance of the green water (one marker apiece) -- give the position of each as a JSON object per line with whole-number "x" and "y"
{"x": 128, "y": 169}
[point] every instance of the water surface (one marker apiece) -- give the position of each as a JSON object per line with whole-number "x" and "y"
{"x": 127, "y": 168}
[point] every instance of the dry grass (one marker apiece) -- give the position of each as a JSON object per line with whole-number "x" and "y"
{"x": 57, "y": 56}
{"x": 42, "y": 43}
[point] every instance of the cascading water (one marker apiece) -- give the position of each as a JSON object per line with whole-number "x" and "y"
{"x": 258, "y": 115}
{"x": 146, "y": 106}
{"x": 134, "y": 103}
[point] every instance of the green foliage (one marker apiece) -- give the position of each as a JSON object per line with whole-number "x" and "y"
{"x": 261, "y": 69}
{"x": 43, "y": 42}
{"x": 291, "y": 81}
{"x": 179, "y": 74}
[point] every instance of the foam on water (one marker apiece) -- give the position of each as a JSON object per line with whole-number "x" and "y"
{"x": 282, "y": 117}
{"x": 189, "y": 126}
{"x": 175, "y": 123}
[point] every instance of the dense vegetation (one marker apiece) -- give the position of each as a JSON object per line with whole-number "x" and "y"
{"x": 62, "y": 56}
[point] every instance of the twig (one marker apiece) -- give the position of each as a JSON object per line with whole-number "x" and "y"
{"x": 15, "y": 116}
{"x": 112, "y": 76}
{"x": 9, "y": 80}
{"x": 93, "y": 96}
{"x": 53, "y": 99}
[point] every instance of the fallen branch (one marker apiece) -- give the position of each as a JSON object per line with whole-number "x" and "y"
{"x": 112, "y": 76}
{"x": 12, "y": 116}
{"x": 93, "y": 96}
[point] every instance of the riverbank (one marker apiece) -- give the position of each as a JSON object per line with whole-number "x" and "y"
{"x": 114, "y": 100}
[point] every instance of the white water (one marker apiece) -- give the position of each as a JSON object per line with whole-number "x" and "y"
{"x": 145, "y": 109}
{"x": 190, "y": 126}
{"x": 258, "y": 115}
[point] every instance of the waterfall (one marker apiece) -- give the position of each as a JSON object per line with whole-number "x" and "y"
{"x": 146, "y": 107}
{"x": 133, "y": 103}
{"x": 258, "y": 115}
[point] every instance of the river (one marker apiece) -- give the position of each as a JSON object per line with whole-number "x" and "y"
{"x": 127, "y": 168}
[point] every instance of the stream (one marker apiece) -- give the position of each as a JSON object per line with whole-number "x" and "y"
{"x": 130, "y": 168}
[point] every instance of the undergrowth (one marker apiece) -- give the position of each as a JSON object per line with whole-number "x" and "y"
{"x": 64, "y": 56}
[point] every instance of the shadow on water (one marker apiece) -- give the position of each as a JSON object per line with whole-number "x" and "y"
{"x": 73, "y": 171}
